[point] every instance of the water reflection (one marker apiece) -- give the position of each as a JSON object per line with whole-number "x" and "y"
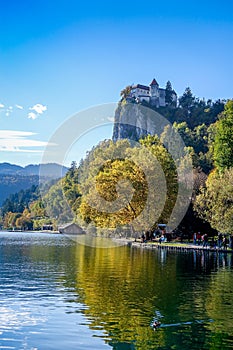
{"x": 126, "y": 288}
{"x": 35, "y": 294}
{"x": 77, "y": 297}
{"x": 205, "y": 261}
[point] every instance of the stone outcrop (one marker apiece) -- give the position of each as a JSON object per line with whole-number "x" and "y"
{"x": 134, "y": 121}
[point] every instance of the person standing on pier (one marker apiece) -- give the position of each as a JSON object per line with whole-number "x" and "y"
{"x": 205, "y": 240}
{"x": 220, "y": 237}
{"x": 199, "y": 238}
{"x": 231, "y": 242}
{"x": 194, "y": 238}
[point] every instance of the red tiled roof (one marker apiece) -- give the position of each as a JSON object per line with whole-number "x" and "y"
{"x": 154, "y": 82}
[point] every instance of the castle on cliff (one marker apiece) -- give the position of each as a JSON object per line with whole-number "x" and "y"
{"x": 152, "y": 94}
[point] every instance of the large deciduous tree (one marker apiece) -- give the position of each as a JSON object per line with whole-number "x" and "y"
{"x": 215, "y": 202}
{"x": 116, "y": 172}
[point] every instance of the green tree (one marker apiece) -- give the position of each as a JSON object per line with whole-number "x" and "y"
{"x": 17, "y": 202}
{"x": 56, "y": 204}
{"x": 223, "y": 143}
{"x": 186, "y": 101}
{"x": 24, "y": 223}
{"x": 126, "y": 91}
{"x": 214, "y": 204}
{"x": 37, "y": 209}
{"x": 9, "y": 220}
{"x": 185, "y": 132}
{"x": 73, "y": 168}
{"x": 168, "y": 93}
{"x": 112, "y": 176}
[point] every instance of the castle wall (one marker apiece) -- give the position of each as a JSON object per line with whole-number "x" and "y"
{"x": 151, "y": 94}
{"x": 136, "y": 92}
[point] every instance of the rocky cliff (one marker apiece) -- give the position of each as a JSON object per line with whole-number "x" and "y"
{"x": 133, "y": 121}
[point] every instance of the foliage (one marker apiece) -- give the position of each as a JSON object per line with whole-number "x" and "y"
{"x": 186, "y": 101}
{"x": 194, "y": 111}
{"x": 58, "y": 200}
{"x": 206, "y": 129}
{"x": 24, "y": 222}
{"x": 17, "y": 202}
{"x": 37, "y": 209}
{"x": 215, "y": 201}
{"x": 10, "y": 184}
{"x": 168, "y": 93}
{"x": 223, "y": 143}
{"x": 9, "y": 220}
{"x": 108, "y": 171}
{"x": 197, "y": 143}
{"x": 20, "y": 221}
{"x": 53, "y": 209}
{"x": 56, "y": 205}
{"x": 25, "y": 209}
{"x": 126, "y": 91}
{"x": 70, "y": 187}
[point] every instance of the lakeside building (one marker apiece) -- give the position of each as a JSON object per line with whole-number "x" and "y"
{"x": 71, "y": 229}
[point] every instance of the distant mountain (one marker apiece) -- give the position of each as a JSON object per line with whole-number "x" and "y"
{"x": 8, "y": 169}
{"x": 14, "y": 178}
{"x": 49, "y": 170}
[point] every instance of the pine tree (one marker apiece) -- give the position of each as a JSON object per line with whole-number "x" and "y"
{"x": 168, "y": 93}
{"x": 186, "y": 101}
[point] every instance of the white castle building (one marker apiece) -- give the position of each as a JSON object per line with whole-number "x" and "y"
{"x": 151, "y": 94}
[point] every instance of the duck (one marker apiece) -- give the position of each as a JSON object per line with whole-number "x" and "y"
{"x": 156, "y": 324}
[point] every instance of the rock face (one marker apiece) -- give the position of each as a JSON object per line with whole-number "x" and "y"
{"x": 134, "y": 121}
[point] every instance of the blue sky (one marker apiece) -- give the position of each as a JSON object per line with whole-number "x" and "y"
{"x": 60, "y": 57}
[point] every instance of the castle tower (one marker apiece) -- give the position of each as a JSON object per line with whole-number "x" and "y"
{"x": 154, "y": 93}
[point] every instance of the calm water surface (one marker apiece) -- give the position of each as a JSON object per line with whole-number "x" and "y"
{"x": 55, "y": 294}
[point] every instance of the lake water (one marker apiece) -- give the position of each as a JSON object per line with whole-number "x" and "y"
{"x": 55, "y": 294}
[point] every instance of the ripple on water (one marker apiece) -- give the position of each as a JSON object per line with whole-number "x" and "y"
{"x": 55, "y": 295}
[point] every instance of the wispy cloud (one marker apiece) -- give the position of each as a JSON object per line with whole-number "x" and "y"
{"x": 32, "y": 115}
{"x": 34, "y": 112}
{"x": 20, "y": 141}
{"x": 38, "y": 110}
{"x": 19, "y": 107}
{"x": 9, "y": 110}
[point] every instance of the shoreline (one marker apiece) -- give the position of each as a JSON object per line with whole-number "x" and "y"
{"x": 173, "y": 246}
{"x": 31, "y": 231}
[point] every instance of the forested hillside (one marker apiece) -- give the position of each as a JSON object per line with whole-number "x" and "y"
{"x": 206, "y": 128}
{"x": 10, "y": 184}
{"x": 14, "y": 178}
